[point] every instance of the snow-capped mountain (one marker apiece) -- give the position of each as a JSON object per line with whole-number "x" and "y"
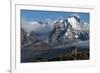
{"x": 57, "y": 31}
{"x": 79, "y": 28}
{"x": 74, "y": 22}
{"x": 71, "y": 27}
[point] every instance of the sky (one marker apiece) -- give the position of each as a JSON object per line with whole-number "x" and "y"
{"x": 36, "y": 15}
{"x": 30, "y": 18}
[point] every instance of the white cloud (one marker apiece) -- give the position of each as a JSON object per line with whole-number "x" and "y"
{"x": 35, "y": 26}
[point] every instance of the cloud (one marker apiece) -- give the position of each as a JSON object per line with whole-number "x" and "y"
{"x": 36, "y": 26}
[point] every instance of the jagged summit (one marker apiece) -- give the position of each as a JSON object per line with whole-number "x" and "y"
{"x": 58, "y": 32}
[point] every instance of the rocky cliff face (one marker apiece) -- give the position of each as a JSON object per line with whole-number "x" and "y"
{"x": 70, "y": 28}
{"x": 59, "y": 32}
{"x": 23, "y": 36}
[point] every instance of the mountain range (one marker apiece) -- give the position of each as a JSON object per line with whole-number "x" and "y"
{"x": 55, "y": 32}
